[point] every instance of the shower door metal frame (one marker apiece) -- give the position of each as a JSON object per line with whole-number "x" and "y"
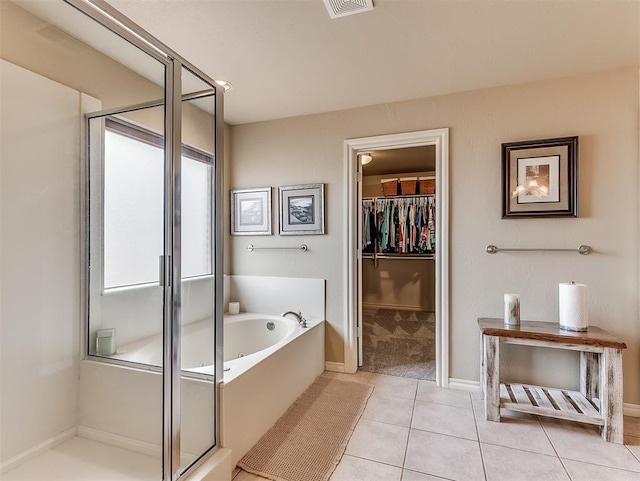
{"x": 110, "y": 18}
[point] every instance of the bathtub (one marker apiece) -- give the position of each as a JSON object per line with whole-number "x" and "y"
{"x": 265, "y": 370}
{"x": 248, "y": 336}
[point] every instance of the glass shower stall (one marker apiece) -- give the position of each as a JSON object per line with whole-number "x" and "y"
{"x": 111, "y": 240}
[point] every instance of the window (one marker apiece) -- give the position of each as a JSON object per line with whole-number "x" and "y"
{"x": 133, "y": 207}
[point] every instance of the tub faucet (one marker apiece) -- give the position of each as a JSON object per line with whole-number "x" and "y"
{"x": 298, "y": 315}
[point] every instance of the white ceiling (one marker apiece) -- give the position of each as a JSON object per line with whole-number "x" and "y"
{"x": 288, "y": 57}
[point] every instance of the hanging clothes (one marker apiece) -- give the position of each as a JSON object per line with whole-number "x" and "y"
{"x": 368, "y": 226}
{"x": 399, "y": 225}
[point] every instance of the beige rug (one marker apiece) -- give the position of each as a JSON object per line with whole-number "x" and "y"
{"x": 307, "y": 442}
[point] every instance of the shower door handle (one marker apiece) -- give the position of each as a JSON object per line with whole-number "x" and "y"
{"x": 164, "y": 271}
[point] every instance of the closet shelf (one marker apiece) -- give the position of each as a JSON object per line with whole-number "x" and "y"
{"x": 407, "y": 196}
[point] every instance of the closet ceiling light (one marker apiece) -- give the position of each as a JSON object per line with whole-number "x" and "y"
{"x": 365, "y": 158}
{"x": 226, "y": 86}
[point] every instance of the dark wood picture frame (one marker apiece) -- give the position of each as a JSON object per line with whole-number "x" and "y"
{"x": 540, "y": 178}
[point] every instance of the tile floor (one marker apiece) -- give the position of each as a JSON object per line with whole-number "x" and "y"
{"x": 413, "y": 431}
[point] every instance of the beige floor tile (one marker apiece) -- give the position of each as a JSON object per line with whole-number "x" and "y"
{"x": 444, "y": 456}
{"x": 477, "y": 399}
{"x": 359, "y": 376}
{"x": 415, "y": 476}
{"x": 358, "y": 469}
{"x": 391, "y": 410}
{"x": 384, "y": 443}
{"x": 580, "y": 471}
{"x": 442, "y": 419}
{"x": 633, "y": 444}
{"x": 515, "y": 431}
{"x": 580, "y": 442}
{"x": 394, "y": 386}
{"x": 632, "y": 426}
{"x": 505, "y": 464}
{"x": 428, "y": 391}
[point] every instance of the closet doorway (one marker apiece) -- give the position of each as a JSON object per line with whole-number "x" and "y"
{"x": 398, "y": 255}
{"x": 397, "y": 243}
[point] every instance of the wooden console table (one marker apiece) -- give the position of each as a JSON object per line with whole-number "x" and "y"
{"x": 599, "y": 401}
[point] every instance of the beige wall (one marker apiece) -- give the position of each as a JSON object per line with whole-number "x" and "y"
{"x": 399, "y": 284}
{"x": 601, "y": 108}
{"x": 40, "y": 268}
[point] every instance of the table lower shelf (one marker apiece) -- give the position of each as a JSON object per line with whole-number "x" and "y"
{"x": 555, "y": 403}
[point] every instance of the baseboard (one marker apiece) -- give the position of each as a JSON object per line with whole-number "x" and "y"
{"x": 464, "y": 385}
{"x": 118, "y": 441}
{"x": 37, "y": 450}
{"x": 632, "y": 410}
{"x": 334, "y": 366}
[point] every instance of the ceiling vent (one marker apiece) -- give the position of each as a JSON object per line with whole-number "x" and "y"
{"x": 342, "y": 8}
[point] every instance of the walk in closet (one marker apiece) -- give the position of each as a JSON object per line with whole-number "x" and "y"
{"x": 398, "y": 243}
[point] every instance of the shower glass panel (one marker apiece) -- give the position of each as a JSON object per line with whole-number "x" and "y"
{"x": 197, "y": 198}
{"x": 125, "y": 227}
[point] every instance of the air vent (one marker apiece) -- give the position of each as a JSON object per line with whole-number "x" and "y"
{"x": 342, "y": 8}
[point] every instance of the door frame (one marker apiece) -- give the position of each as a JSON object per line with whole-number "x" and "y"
{"x": 353, "y": 301}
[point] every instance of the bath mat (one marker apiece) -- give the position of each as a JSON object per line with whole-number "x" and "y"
{"x": 307, "y": 442}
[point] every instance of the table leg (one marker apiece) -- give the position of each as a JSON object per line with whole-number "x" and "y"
{"x": 482, "y": 364}
{"x": 589, "y": 374}
{"x": 611, "y": 395}
{"x": 491, "y": 359}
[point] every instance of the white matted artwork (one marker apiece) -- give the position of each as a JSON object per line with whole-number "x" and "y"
{"x": 538, "y": 179}
{"x": 301, "y": 209}
{"x": 251, "y": 211}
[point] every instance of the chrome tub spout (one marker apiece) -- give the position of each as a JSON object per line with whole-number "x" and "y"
{"x": 298, "y": 315}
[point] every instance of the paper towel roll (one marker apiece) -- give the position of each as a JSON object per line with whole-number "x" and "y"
{"x": 572, "y": 303}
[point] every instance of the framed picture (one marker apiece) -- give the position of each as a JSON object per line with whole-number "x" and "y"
{"x": 302, "y": 209}
{"x": 251, "y": 211}
{"x": 540, "y": 178}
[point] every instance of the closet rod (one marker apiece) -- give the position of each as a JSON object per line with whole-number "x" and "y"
{"x": 392, "y": 197}
{"x": 583, "y": 249}
{"x": 406, "y": 256}
{"x": 302, "y": 247}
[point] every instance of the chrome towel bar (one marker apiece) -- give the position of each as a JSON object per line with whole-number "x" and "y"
{"x": 583, "y": 249}
{"x": 302, "y": 247}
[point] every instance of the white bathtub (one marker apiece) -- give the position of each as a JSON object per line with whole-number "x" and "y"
{"x": 246, "y": 336}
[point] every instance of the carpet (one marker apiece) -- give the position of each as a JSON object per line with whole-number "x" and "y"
{"x": 307, "y": 442}
{"x": 399, "y": 343}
